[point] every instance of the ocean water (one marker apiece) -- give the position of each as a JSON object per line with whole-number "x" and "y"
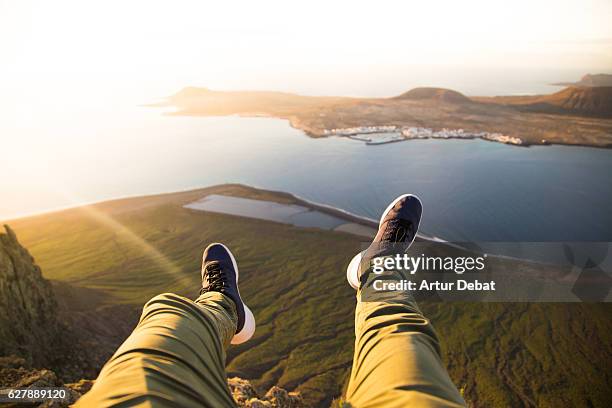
{"x": 472, "y": 190}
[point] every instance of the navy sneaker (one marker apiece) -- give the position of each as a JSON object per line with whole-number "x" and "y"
{"x": 220, "y": 274}
{"x": 397, "y": 230}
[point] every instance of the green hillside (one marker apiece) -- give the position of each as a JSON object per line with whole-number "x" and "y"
{"x": 125, "y": 251}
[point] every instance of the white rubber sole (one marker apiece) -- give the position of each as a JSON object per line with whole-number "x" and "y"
{"x": 249, "y": 319}
{"x": 352, "y": 270}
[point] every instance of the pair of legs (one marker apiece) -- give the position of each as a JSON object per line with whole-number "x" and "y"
{"x": 176, "y": 355}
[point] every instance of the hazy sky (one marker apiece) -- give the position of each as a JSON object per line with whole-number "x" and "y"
{"x": 72, "y": 73}
{"x": 155, "y": 47}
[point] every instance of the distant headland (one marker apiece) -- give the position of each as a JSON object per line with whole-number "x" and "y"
{"x": 590, "y": 80}
{"x": 576, "y": 115}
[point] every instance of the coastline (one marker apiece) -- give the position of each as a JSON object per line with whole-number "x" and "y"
{"x": 316, "y": 134}
{"x": 378, "y": 135}
{"x": 203, "y": 191}
{"x": 112, "y": 210}
{"x": 441, "y": 113}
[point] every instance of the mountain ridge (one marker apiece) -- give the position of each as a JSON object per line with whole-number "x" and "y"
{"x": 593, "y": 101}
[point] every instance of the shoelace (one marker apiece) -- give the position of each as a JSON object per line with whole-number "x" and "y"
{"x": 215, "y": 277}
{"x": 398, "y": 230}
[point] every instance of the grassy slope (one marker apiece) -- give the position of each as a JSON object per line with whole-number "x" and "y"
{"x": 500, "y": 354}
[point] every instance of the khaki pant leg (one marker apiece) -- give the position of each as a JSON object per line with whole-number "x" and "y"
{"x": 175, "y": 357}
{"x": 397, "y": 355}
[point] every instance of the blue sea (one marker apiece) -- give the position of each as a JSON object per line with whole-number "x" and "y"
{"x": 472, "y": 190}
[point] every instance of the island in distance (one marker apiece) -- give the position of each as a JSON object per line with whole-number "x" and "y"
{"x": 576, "y": 115}
{"x": 590, "y": 80}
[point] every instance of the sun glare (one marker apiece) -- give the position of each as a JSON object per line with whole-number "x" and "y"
{"x": 110, "y": 42}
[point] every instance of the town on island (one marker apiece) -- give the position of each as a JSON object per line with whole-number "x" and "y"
{"x": 375, "y": 135}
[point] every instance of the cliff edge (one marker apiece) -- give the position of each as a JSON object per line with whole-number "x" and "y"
{"x": 29, "y": 326}
{"x": 33, "y": 334}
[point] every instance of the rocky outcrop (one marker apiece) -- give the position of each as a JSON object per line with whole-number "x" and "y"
{"x": 29, "y": 325}
{"x": 246, "y": 396}
{"x": 16, "y": 373}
